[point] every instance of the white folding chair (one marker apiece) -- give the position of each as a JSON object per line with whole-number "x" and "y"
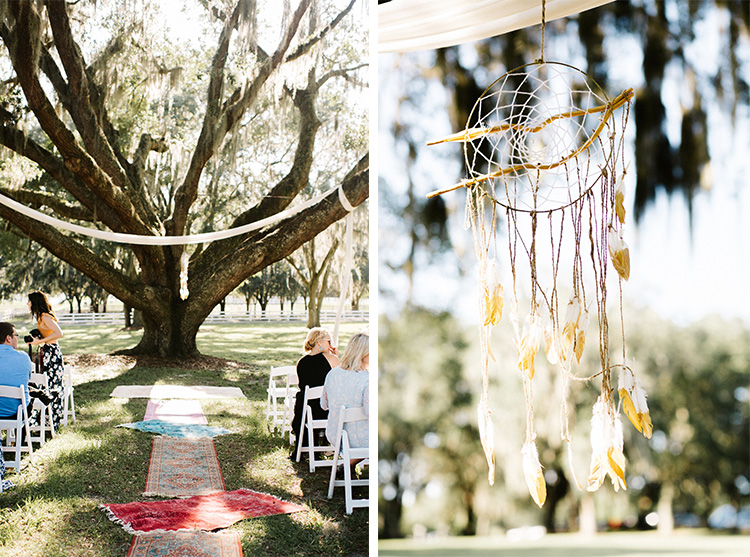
{"x": 312, "y": 393}
{"x": 277, "y": 389}
{"x": 69, "y": 404}
{"x": 14, "y": 427}
{"x": 343, "y": 452}
{"x": 292, "y": 388}
{"x": 39, "y": 432}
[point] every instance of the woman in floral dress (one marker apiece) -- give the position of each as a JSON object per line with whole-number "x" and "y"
{"x": 50, "y": 356}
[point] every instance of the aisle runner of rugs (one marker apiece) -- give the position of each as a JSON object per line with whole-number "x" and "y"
{"x": 184, "y": 465}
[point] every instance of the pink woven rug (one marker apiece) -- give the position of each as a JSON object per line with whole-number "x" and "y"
{"x": 178, "y": 411}
{"x": 203, "y": 512}
{"x": 186, "y": 544}
{"x": 183, "y": 467}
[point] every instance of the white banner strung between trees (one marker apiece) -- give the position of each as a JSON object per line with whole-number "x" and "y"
{"x": 407, "y": 25}
{"x": 168, "y": 240}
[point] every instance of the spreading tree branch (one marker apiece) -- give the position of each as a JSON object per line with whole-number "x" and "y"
{"x": 211, "y": 281}
{"x": 219, "y": 121}
{"x": 67, "y": 248}
{"x": 304, "y": 48}
{"x": 281, "y": 195}
{"x": 16, "y": 140}
{"x": 42, "y": 199}
{"x": 343, "y": 72}
{"x": 23, "y": 46}
{"x": 87, "y": 110}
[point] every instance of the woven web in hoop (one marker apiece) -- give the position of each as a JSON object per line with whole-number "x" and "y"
{"x": 536, "y": 130}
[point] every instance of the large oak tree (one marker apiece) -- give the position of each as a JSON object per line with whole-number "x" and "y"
{"x": 96, "y": 171}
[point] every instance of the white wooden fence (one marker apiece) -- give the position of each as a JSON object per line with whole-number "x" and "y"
{"x": 118, "y": 318}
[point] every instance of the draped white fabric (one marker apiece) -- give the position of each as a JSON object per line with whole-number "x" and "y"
{"x": 169, "y": 240}
{"x": 406, "y": 25}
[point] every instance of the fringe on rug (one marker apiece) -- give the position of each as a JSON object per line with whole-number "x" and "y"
{"x": 130, "y": 530}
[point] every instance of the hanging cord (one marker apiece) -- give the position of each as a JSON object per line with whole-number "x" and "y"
{"x": 544, "y": 24}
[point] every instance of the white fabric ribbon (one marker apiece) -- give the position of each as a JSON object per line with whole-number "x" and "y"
{"x": 406, "y": 25}
{"x": 344, "y": 201}
{"x": 137, "y": 239}
{"x": 346, "y": 275}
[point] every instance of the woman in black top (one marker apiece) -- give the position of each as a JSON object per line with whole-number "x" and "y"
{"x": 312, "y": 369}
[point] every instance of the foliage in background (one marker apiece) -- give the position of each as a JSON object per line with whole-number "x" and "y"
{"x": 697, "y": 459}
{"x": 426, "y": 420}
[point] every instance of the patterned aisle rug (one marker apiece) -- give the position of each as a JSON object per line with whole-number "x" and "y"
{"x": 183, "y": 467}
{"x": 178, "y": 411}
{"x": 203, "y": 512}
{"x": 186, "y": 544}
{"x": 176, "y": 391}
{"x": 184, "y": 431}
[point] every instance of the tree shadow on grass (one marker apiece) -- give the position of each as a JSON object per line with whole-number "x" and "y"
{"x": 54, "y": 510}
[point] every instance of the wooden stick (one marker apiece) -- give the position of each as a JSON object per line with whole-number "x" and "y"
{"x": 620, "y": 100}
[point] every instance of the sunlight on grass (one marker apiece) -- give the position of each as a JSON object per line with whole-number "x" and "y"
{"x": 262, "y": 344}
{"x": 112, "y": 412}
{"x": 54, "y": 509}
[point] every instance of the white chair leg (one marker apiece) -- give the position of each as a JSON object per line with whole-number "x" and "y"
{"x": 347, "y": 475}
{"x": 302, "y": 436}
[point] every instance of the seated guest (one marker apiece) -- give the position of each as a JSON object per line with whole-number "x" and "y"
{"x": 4, "y": 484}
{"x": 349, "y": 385}
{"x": 15, "y": 367}
{"x": 312, "y": 369}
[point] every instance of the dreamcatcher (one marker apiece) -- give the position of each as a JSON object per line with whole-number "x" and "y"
{"x": 547, "y": 154}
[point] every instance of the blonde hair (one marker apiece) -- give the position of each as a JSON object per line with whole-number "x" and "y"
{"x": 314, "y": 335}
{"x": 356, "y": 349}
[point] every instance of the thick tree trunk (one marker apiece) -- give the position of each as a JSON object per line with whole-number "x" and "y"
{"x": 665, "y": 526}
{"x": 470, "y": 528}
{"x": 391, "y": 512}
{"x": 173, "y": 337}
{"x": 313, "y": 312}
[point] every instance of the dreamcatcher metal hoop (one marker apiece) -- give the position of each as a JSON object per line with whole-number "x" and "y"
{"x": 513, "y": 138}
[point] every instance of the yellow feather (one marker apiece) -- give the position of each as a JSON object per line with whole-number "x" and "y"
{"x": 596, "y": 476}
{"x": 493, "y": 305}
{"x": 620, "y": 206}
{"x": 645, "y": 421}
{"x": 629, "y": 408}
{"x": 621, "y": 262}
{"x": 617, "y": 466}
{"x": 533, "y": 474}
{"x": 579, "y": 343}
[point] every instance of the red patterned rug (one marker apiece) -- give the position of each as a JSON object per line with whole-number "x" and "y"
{"x": 186, "y": 544}
{"x": 203, "y": 512}
{"x": 183, "y": 467}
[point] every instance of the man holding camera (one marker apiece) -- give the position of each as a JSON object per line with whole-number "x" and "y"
{"x": 15, "y": 367}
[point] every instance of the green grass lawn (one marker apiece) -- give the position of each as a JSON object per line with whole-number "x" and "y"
{"x": 54, "y": 508}
{"x": 682, "y": 543}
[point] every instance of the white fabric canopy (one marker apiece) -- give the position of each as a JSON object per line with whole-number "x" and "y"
{"x": 406, "y": 25}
